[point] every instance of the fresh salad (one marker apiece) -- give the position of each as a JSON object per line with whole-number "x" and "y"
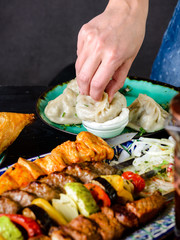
{"x": 150, "y": 154}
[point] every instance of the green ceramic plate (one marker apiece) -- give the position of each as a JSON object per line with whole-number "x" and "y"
{"x": 2, "y": 157}
{"x": 160, "y": 92}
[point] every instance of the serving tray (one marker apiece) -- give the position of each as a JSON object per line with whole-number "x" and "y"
{"x": 162, "y": 226}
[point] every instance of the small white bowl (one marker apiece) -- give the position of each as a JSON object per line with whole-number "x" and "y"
{"x": 109, "y": 128}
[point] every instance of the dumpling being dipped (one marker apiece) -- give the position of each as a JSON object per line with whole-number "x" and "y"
{"x": 146, "y": 113}
{"x": 100, "y": 111}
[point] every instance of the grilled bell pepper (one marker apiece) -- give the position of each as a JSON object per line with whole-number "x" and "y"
{"x": 32, "y": 227}
{"x": 52, "y": 212}
{"x": 107, "y": 187}
{"x": 118, "y": 184}
{"x": 100, "y": 196}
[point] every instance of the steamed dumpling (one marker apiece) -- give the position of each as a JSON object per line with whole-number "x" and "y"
{"x": 90, "y": 110}
{"x": 73, "y": 86}
{"x": 62, "y": 110}
{"x": 146, "y": 113}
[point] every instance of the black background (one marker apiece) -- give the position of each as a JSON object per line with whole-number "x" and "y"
{"x": 38, "y": 37}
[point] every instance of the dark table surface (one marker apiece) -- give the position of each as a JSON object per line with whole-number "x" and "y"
{"x": 37, "y": 138}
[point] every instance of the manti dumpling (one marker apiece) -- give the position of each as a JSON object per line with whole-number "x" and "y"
{"x": 99, "y": 111}
{"x": 11, "y": 125}
{"x": 62, "y": 110}
{"x": 73, "y": 86}
{"x": 146, "y": 113}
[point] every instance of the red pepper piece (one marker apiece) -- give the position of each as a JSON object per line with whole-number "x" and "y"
{"x": 99, "y": 195}
{"x": 30, "y": 225}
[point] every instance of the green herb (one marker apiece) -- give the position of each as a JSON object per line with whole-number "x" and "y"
{"x": 76, "y": 115}
{"x": 78, "y": 125}
{"x": 86, "y": 105}
{"x": 165, "y": 106}
{"x": 63, "y": 114}
{"x": 142, "y": 131}
{"x": 128, "y": 88}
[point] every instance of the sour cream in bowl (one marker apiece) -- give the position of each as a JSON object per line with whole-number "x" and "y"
{"x": 110, "y": 128}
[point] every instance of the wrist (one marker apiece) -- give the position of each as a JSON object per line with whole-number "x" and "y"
{"x": 130, "y": 6}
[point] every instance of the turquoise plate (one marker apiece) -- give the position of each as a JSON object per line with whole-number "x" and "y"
{"x": 2, "y": 157}
{"x": 160, "y": 92}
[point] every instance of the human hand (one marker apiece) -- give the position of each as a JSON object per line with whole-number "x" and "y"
{"x": 107, "y": 46}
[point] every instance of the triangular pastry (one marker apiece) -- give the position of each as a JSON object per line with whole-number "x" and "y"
{"x": 11, "y": 125}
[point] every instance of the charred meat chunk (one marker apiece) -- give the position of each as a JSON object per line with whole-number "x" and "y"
{"x": 147, "y": 208}
{"x": 109, "y": 227}
{"x": 104, "y": 168}
{"x": 8, "y": 206}
{"x": 60, "y": 235}
{"x": 58, "y": 180}
{"x": 40, "y": 237}
{"x": 125, "y": 217}
{"x": 22, "y": 197}
{"x": 42, "y": 190}
{"x": 87, "y": 171}
{"x": 82, "y": 228}
{"x": 85, "y": 174}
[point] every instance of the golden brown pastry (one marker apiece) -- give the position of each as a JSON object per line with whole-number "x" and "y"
{"x": 11, "y": 125}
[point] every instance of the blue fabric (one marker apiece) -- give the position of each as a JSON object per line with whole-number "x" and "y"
{"x": 166, "y": 67}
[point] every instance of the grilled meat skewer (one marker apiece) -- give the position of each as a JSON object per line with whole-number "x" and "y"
{"x": 111, "y": 222}
{"x": 49, "y": 186}
{"x": 87, "y": 171}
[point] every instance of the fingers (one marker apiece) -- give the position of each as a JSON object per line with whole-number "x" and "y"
{"x": 88, "y": 68}
{"x": 118, "y": 79}
{"x": 100, "y": 80}
{"x": 95, "y": 73}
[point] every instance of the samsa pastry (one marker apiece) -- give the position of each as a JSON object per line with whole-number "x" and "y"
{"x": 100, "y": 111}
{"x": 11, "y": 125}
{"x": 146, "y": 113}
{"x": 62, "y": 110}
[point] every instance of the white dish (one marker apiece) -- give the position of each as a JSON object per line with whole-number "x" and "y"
{"x": 109, "y": 128}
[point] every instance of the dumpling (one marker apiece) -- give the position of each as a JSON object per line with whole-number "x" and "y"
{"x": 11, "y": 125}
{"x": 146, "y": 113}
{"x": 73, "y": 86}
{"x": 62, "y": 110}
{"x": 90, "y": 110}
